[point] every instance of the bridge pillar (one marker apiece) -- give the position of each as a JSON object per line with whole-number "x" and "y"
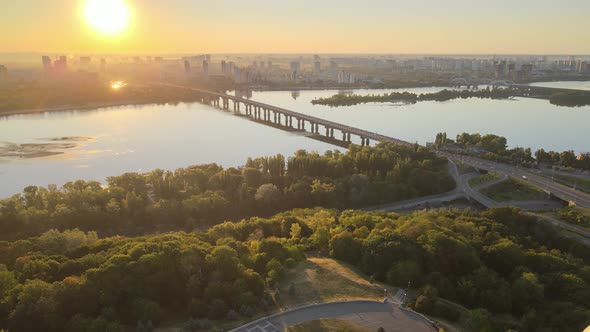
{"x": 367, "y": 141}
{"x": 327, "y": 132}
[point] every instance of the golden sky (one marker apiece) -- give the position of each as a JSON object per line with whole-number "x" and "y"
{"x": 305, "y": 26}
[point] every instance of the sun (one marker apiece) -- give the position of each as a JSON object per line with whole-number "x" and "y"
{"x": 109, "y": 17}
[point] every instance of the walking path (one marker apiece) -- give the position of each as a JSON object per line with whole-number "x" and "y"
{"x": 369, "y": 314}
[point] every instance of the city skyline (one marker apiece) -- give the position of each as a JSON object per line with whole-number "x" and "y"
{"x": 263, "y": 26}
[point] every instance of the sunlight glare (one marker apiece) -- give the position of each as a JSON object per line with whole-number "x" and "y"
{"x": 118, "y": 85}
{"x": 109, "y": 17}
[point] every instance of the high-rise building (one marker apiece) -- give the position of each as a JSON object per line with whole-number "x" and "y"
{"x": 317, "y": 66}
{"x": 3, "y": 72}
{"x": 187, "y": 68}
{"x": 206, "y": 69}
{"x": 47, "y": 66}
{"x": 60, "y": 65}
{"x": 103, "y": 65}
{"x": 223, "y": 67}
{"x": 295, "y": 66}
{"x": 231, "y": 69}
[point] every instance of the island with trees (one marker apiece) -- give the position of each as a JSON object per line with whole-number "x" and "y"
{"x": 412, "y": 98}
{"x": 570, "y": 99}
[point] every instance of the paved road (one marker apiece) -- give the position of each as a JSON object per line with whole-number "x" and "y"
{"x": 369, "y": 314}
{"x": 566, "y": 193}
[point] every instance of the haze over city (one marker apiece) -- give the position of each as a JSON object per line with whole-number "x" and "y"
{"x": 294, "y": 166}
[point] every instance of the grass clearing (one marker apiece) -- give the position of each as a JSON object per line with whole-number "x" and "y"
{"x": 319, "y": 279}
{"x": 483, "y": 179}
{"x": 327, "y": 325}
{"x": 513, "y": 190}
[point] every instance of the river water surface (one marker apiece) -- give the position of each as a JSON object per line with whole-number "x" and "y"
{"x": 142, "y": 138}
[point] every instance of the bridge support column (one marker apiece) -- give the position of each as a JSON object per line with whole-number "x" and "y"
{"x": 362, "y": 141}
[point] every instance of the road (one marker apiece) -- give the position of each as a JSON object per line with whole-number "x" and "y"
{"x": 566, "y": 193}
{"x": 369, "y": 314}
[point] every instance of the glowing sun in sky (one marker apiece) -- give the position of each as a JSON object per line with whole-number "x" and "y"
{"x": 109, "y": 17}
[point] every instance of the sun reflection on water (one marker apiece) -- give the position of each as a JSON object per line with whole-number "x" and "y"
{"x": 118, "y": 85}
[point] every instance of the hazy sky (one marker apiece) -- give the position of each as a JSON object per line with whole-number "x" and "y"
{"x": 306, "y": 26}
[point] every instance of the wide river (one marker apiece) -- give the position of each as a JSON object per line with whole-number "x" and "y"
{"x": 142, "y": 138}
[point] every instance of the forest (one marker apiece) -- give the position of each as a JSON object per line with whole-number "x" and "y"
{"x": 200, "y": 196}
{"x": 408, "y": 97}
{"x": 511, "y": 271}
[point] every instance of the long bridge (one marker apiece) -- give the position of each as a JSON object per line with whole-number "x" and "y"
{"x": 284, "y": 119}
{"x": 277, "y": 116}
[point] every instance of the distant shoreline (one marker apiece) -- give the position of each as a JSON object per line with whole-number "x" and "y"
{"x": 97, "y": 105}
{"x": 89, "y": 106}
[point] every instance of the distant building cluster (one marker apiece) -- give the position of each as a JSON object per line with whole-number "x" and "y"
{"x": 288, "y": 70}
{"x": 3, "y": 73}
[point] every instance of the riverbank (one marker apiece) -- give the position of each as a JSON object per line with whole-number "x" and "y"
{"x": 83, "y": 107}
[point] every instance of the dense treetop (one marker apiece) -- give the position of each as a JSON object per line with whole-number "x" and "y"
{"x": 198, "y": 196}
{"x": 408, "y": 97}
{"x": 498, "y": 262}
